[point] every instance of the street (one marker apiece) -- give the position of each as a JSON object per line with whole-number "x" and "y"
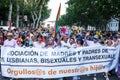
{"x": 86, "y": 77}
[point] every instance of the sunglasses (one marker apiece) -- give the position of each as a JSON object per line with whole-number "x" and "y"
{"x": 95, "y": 38}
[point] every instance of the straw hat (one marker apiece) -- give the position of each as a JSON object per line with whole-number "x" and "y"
{"x": 9, "y": 34}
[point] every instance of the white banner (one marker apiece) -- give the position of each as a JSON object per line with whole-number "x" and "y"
{"x": 55, "y": 63}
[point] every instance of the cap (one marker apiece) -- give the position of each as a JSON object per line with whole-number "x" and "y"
{"x": 9, "y": 34}
{"x": 96, "y": 36}
{"x": 80, "y": 38}
{"x": 115, "y": 36}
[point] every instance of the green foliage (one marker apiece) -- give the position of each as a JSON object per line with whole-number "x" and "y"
{"x": 45, "y": 13}
{"x": 25, "y": 9}
{"x": 90, "y": 12}
{"x": 4, "y": 8}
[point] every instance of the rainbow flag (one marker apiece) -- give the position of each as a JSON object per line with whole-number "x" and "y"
{"x": 56, "y": 26}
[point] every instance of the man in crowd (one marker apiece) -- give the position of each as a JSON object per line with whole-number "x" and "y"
{"x": 10, "y": 42}
{"x": 92, "y": 43}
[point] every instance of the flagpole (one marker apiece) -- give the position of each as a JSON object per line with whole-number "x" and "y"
{"x": 58, "y": 14}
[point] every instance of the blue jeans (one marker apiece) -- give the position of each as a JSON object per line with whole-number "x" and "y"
{"x": 75, "y": 78}
{"x": 60, "y": 79}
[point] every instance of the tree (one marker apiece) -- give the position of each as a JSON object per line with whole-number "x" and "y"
{"x": 4, "y": 6}
{"x": 14, "y": 11}
{"x": 10, "y": 14}
{"x": 92, "y": 12}
{"x": 39, "y": 11}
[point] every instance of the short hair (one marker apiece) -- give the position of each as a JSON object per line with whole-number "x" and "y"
{"x": 39, "y": 36}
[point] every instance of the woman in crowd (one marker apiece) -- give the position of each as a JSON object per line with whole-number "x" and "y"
{"x": 51, "y": 43}
{"x": 79, "y": 42}
{"x": 19, "y": 42}
{"x": 39, "y": 43}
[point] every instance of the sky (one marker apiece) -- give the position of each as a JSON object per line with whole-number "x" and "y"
{"x": 54, "y": 5}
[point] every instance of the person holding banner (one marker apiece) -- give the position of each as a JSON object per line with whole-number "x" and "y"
{"x": 39, "y": 44}
{"x": 79, "y": 43}
{"x": 9, "y": 42}
{"x": 63, "y": 42}
{"x": 108, "y": 44}
{"x": 92, "y": 43}
{"x": 70, "y": 43}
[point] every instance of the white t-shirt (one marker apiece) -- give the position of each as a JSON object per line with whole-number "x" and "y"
{"x": 72, "y": 45}
{"x": 91, "y": 43}
{"x": 64, "y": 44}
{"x": 11, "y": 43}
{"x": 115, "y": 43}
{"x": 18, "y": 45}
{"x": 39, "y": 45}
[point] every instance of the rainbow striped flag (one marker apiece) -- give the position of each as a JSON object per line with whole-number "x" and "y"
{"x": 56, "y": 26}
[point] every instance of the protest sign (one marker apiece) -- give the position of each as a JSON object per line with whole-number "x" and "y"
{"x": 55, "y": 63}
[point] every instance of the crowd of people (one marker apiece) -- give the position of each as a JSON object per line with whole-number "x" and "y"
{"x": 45, "y": 38}
{"x": 64, "y": 38}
